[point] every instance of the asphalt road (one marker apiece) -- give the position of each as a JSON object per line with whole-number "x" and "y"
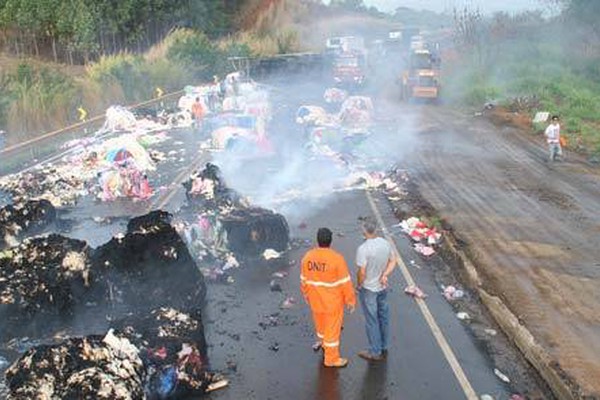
{"x": 264, "y": 350}
{"x": 531, "y": 225}
{"x": 239, "y": 330}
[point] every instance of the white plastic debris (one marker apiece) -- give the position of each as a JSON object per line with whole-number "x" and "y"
{"x": 463, "y": 316}
{"x": 231, "y": 262}
{"x": 541, "y": 116}
{"x": 501, "y": 376}
{"x": 491, "y": 332}
{"x": 486, "y": 397}
{"x": 270, "y": 254}
{"x": 288, "y": 303}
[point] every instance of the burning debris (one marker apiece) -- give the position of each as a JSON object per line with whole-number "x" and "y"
{"x": 159, "y": 356}
{"x": 92, "y": 367}
{"x": 43, "y": 274}
{"x": 18, "y": 220}
{"x": 236, "y": 226}
{"x": 60, "y": 185}
{"x": 150, "y": 266}
{"x": 157, "y": 351}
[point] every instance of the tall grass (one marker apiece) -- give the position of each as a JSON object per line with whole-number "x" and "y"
{"x": 40, "y": 99}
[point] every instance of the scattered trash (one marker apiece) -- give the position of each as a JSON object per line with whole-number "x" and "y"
{"x": 541, "y": 116}
{"x": 463, "y": 316}
{"x": 288, "y": 303}
{"x": 501, "y": 376}
{"x": 420, "y": 232}
{"x": 517, "y": 397}
{"x": 270, "y": 254}
{"x": 279, "y": 274}
{"x": 452, "y": 293}
{"x": 491, "y": 332}
{"x": 486, "y": 397}
{"x": 23, "y": 219}
{"x": 275, "y": 286}
{"x": 3, "y": 363}
{"x": 274, "y": 347}
{"x": 415, "y": 291}
{"x": 425, "y": 250}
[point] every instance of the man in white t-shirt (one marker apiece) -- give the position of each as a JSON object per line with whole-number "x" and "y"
{"x": 552, "y": 134}
{"x": 375, "y": 260}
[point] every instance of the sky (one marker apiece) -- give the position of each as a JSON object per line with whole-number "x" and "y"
{"x": 486, "y": 6}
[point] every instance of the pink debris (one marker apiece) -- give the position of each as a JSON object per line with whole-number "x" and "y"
{"x": 425, "y": 250}
{"x": 415, "y": 291}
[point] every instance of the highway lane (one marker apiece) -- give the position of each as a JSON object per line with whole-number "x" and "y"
{"x": 239, "y": 332}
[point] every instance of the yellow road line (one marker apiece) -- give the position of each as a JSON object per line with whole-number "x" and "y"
{"x": 433, "y": 326}
{"x": 162, "y": 201}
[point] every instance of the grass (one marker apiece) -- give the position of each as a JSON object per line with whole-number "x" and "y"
{"x": 563, "y": 85}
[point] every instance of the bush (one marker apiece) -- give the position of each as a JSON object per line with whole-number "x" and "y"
{"x": 478, "y": 95}
{"x": 124, "y": 69}
{"x": 40, "y": 98}
{"x": 195, "y": 51}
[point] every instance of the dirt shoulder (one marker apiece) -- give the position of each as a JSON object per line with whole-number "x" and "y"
{"x": 530, "y": 227}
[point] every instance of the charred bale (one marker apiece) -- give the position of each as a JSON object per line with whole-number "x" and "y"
{"x": 44, "y": 275}
{"x": 24, "y": 219}
{"x": 92, "y": 367}
{"x": 150, "y": 266}
{"x": 207, "y": 189}
{"x": 250, "y": 231}
{"x": 173, "y": 349}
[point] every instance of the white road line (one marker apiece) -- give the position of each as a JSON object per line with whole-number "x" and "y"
{"x": 435, "y": 329}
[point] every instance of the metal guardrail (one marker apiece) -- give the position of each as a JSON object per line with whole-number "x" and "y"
{"x": 13, "y": 158}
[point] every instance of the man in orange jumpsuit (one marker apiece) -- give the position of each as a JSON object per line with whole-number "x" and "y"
{"x": 327, "y": 287}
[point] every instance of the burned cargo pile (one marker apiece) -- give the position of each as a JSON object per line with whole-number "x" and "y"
{"x": 159, "y": 356}
{"x": 45, "y": 274}
{"x": 150, "y": 266}
{"x": 173, "y": 348}
{"x": 21, "y": 219}
{"x": 245, "y": 230}
{"x": 92, "y": 367}
{"x": 148, "y": 279}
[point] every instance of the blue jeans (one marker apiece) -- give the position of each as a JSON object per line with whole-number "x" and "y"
{"x": 377, "y": 316}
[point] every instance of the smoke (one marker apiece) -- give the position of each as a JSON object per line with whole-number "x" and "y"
{"x": 295, "y": 180}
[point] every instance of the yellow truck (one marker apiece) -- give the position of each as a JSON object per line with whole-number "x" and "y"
{"x": 421, "y": 77}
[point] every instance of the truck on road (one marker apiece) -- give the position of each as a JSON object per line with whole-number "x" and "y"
{"x": 421, "y": 77}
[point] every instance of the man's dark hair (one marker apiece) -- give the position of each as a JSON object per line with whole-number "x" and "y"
{"x": 369, "y": 226}
{"x": 555, "y": 118}
{"x": 324, "y": 237}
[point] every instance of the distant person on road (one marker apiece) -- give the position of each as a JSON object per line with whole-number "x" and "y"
{"x": 326, "y": 285}
{"x": 198, "y": 112}
{"x": 375, "y": 260}
{"x": 552, "y": 134}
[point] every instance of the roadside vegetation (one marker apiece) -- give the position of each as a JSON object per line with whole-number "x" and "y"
{"x": 528, "y": 63}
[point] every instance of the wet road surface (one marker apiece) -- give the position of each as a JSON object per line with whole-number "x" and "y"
{"x": 239, "y": 331}
{"x": 264, "y": 350}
